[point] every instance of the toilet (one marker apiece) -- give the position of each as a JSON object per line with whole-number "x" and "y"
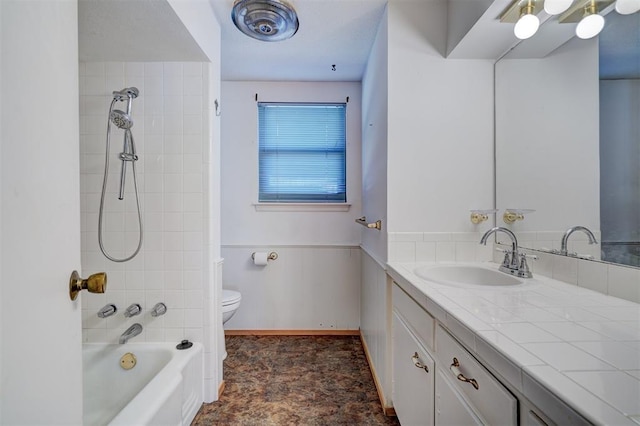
{"x": 230, "y": 303}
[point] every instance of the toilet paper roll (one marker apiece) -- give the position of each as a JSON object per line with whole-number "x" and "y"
{"x": 260, "y": 258}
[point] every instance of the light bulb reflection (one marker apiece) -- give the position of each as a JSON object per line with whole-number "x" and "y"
{"x": 590, "y": 26}
{"x": 526, "y": 26}
{"x": 627, "y": 7}
{"x": 556, "y": 7}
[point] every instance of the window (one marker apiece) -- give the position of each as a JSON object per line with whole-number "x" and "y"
{"x": 302, "y": 152}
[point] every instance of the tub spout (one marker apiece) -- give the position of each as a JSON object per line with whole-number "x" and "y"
{"x": 132, "y": 331}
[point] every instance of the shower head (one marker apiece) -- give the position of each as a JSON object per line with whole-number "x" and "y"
{"x": 265, "y": 20}
{"x": 121, "y": 119}
{"x": 126, "y": 93}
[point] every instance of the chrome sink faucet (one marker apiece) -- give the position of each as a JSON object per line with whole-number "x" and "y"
{"x": 132, "y": 331}
{"x": 514, "y": 263}
{"x": 565, "y": 238}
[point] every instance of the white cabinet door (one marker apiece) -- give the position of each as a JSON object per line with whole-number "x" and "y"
{"x": 451, "y": 408}
{"x": 413, "y": 378}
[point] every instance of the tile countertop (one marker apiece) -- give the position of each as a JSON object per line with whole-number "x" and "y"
{"x": 545, "y": 336}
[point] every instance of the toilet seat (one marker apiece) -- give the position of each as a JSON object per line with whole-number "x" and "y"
{"x": 230, "y": 297}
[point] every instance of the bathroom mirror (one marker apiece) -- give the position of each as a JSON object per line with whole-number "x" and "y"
{"x": 568, "y": 143}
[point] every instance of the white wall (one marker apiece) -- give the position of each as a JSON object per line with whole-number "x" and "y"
{"x": 374, "y": 301}
{"x": 242, "y": 224}
{"x": 547, "y": 138}
{"x": 440, "y": 138}
{"x": 40, "y": 234}
{"x": 374, "y": 143}
{"x": 173, "y": 129}
{"x": 315, "y": 282}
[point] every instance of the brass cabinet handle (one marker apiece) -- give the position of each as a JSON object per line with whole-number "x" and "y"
{"x": 455, "y": 368}
{"x": 96, "y": 283}
{"x": 416, "y": 361}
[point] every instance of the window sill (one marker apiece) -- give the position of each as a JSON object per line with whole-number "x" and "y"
{"x": 302, "y": 207}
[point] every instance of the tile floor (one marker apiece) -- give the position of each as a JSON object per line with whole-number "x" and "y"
{"x": 295, "y": 380}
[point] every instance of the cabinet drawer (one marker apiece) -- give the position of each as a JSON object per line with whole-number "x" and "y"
{"x": 492, "y": 401}
{"x": 418, "y": 319}
{"x": 413, "y": 378}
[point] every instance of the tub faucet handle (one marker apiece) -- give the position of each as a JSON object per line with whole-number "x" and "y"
{"x": 107, "y": 310}
{"x": 159, "y": 309}
{"x": 133, "y": 310}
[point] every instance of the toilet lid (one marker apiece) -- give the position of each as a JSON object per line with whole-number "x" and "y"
{"x": 230, "y": 297}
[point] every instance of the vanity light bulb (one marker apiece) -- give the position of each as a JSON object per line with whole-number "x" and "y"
{"x": 627, "y": 7}
{"x": 556, "y": 7}
{"x": 590, "y": 26}
{"x": 526, "y": 26}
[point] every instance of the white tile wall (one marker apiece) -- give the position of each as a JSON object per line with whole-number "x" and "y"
{"x": 606, "y": 278}
{"x": 438, "y": 247}
{"x": 171, "y": 140}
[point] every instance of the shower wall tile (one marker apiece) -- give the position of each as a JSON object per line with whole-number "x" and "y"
{"x": 170, "y": 141}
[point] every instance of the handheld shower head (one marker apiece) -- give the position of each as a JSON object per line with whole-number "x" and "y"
{"x": 121, "y": 119}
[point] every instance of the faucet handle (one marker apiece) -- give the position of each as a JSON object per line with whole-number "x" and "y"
{"x": 506, "y": 262}
{"x": 133, "y": 310}
{"x": 159, "y": 309}
{"x": 523, "y": 269}
{"x": 107, "y": 310}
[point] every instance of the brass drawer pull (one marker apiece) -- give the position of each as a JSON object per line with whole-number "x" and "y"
{"x": 455, "y": 368}
{"x": 416, "y": 361}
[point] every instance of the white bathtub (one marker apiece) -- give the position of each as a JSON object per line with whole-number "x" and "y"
{"x": 164, "y": 387}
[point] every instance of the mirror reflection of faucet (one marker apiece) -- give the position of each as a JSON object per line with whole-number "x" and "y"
{"x": 567, "y": 234}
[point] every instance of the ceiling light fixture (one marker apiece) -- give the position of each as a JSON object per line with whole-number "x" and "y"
{"x": 627, "y": 7}
{"x": 591, "y": 24}
{"x": 528, "y": 23}
{"x": 265, "y": 20}
{"x": 556, "y": 7}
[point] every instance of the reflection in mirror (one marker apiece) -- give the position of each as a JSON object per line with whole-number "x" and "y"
{"x": 620, "y": 139}
{"x": 549, "y": 155}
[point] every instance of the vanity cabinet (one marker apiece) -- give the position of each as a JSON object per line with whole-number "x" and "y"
{"x": 414, "y": 371}
{"x": 435, "y": 379}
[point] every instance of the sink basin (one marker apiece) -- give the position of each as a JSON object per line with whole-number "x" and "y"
{"x": 466, "y": 275}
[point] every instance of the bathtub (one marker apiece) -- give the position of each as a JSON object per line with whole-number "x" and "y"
{"x": 164, "y": 387}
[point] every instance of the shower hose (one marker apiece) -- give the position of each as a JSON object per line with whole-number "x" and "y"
{"x": 104, "y": 190}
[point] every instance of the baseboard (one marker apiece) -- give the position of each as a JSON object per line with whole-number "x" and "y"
{"x": 292, "y": 332}
{"x": 388, "y": 410}
{"x": 221, "y": 388}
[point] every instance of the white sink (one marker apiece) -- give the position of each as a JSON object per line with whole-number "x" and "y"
{"x": 466, "y": 275}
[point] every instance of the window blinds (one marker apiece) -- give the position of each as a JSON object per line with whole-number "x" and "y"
{"x": 302, "y": 152}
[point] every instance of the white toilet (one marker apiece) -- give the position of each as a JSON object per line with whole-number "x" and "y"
{"x": 230, "y": 303}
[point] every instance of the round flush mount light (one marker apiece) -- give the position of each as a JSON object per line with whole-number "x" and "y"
{"x": 265, "y": 20}
{"x": 591, "y": 24}
{"x": 556, "y": 7}
{"x": 528, "y": 23}
{"x": 627, "y": 7}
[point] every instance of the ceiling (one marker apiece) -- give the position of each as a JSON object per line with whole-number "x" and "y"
{"x": 133, "y": 30}
{"x": 332, "y": 32}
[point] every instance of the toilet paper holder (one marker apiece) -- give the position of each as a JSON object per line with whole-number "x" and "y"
{"x": 272, "y": 256}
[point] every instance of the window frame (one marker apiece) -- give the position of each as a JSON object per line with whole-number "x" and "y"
{"x": 302, "y": 204}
